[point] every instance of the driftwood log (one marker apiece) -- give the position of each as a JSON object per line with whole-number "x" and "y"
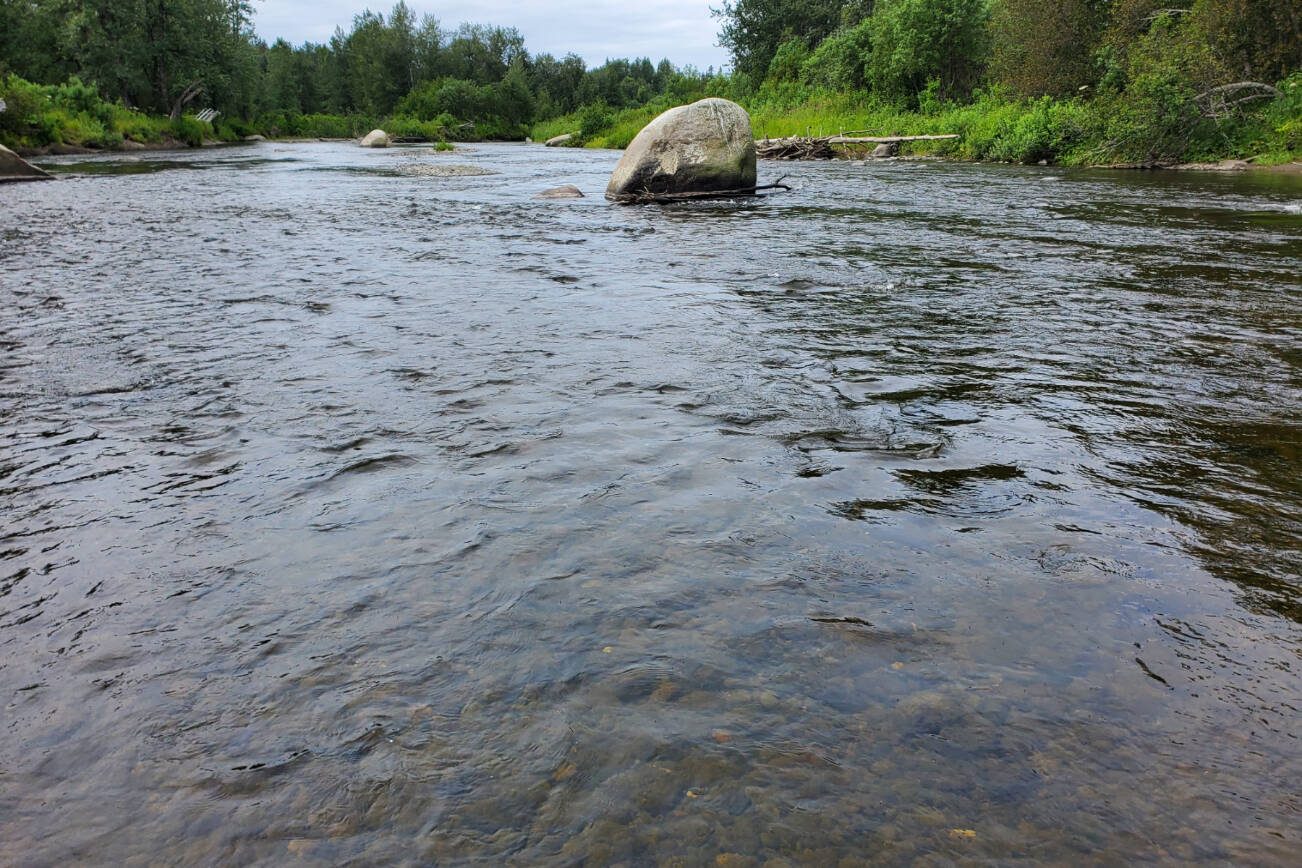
{"x": 824, "y": 147}
{"x": 646, "y": 197}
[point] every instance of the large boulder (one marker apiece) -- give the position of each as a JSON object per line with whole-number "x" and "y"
{"x": 376, "y": 139}
{"x": 15, "y": 168}
{"x": 704, "y": 147}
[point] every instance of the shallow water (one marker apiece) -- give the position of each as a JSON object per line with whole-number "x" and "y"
{"x": 356, "y": 515}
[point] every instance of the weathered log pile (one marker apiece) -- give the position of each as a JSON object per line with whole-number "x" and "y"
{"x": 825, "y": 147}
{"x": 795, "y": 148}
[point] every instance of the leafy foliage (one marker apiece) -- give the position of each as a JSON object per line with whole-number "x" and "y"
{"x": 917, "y": 41}
{"x": 1018, "y": 80}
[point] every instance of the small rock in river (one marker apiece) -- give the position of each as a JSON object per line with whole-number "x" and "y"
{"x": 444, "y": 171}
{"x": 567, "y": 191}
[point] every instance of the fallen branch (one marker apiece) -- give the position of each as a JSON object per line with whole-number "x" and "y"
{"x": 886, "y": 140}
{"x": 794, "y": 148}
{"x": 648, "y": 197}
{"x": 1220, "y": 101}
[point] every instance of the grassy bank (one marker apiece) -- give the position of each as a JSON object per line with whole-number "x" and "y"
{"x": 1080, "y": 131}
{"x": 75, "y": 115}
{"x": 1134, "y": 127}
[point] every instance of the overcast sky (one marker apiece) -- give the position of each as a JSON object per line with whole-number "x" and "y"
{"x": 681, "y": 30}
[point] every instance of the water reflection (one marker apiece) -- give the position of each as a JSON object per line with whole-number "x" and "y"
{"x": 924, "y": 512}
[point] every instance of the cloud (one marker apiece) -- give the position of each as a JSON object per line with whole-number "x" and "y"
{"x": 681, "y": 30}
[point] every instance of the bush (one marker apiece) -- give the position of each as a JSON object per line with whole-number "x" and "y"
{"x": 138, "y": 127}
{"x": 85, "y": 130}
{"x": 788, "y": 61}
{"x": 436, "y": 130}
{"x": 26, "y": 102}
{"x": 839, "y": 62}
{"x": 189, "y": 130}
{"x": 594, "y": 119}
{"x": 915, "y": 41}
{"x": 82, "y": 99}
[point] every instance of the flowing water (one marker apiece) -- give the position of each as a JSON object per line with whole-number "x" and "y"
{"x": 357, "y": 510}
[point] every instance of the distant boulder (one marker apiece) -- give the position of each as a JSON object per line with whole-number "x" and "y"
{"x": 704, "y": 147}
{"x": 557, "y": 141}
{"x": 15, "y": 168}
{"x": 376, "y": 139}
{"x": 568, "y": 191}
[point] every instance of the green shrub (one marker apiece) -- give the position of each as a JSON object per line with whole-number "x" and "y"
{"x": 594, "y": 119}
{"x": 839, "y": 62}
{"x": 87, "y": 131}
{"x": 138, "y": 127}
{"x": 26, "y": 103}
{"x": 189, "y": 130}
{"x": 82, "y": 99}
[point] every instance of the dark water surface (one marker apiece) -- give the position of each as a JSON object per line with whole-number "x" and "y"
{"x": 358, "y": 515}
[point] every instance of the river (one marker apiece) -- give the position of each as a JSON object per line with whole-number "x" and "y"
{"x": 360, "y": 511}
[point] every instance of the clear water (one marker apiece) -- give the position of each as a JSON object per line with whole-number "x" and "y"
{"x": 353, "y": 514}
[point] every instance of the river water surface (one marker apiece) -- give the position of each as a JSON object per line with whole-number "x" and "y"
{"x": 351, "y": 513}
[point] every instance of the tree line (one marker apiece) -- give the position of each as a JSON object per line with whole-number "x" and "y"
{"x": 1143, "y": 79}
{"x": 896, "y": 49}
{"x": 168, "y": 56}
{"x": 1079, "y": 80}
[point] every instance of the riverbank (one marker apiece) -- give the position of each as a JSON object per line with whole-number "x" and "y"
{"x": 1083, "y": 131}
{"x": 73, "y": 119}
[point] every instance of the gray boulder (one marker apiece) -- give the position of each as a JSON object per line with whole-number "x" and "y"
{"x": 557, "y": 141}
{"x": 15, "y": 168}
{"x": 704, "y": 147}
{"x": 376, "y": 139}
{"x": 568, "y": 191}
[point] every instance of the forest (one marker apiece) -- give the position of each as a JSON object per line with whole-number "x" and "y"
{"x": 1076, "y": 81}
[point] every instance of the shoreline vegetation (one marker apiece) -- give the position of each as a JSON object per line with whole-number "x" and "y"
{"x": 1128, "y": 83}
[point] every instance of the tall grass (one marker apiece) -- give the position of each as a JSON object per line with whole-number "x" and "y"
{"x": 991, "y": 127}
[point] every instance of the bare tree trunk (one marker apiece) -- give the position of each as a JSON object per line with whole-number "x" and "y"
{"x": 187, "y": 96}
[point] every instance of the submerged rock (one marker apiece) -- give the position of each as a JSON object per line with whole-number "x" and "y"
{"x": 15, "y": 168}
{"x": 376, "y": 139}
{"x": 568, "y": 191}
{"x": 446, "y": 170}
{"x": 704, "y": 147}
{"x": 557, "y": 141}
